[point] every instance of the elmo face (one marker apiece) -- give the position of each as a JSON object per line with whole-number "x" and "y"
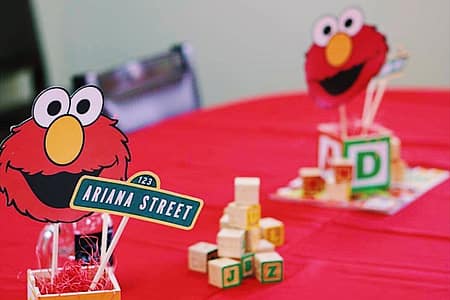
{"x": 345, "y": 55}
{"x": 66, "y": 138}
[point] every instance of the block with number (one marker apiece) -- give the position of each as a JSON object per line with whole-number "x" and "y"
{"x": 252, "y": 237}
{"x": 199, "y": 254}
{"x": 231, "y": 242}
{"x": 248, "y": 264}
{"x": 244, "y": 216}
{"x": 224, "y": 272}
{"x": 246, "y": 190}
{"x": 272, "y": 230}
{"x": 268, "y": 267}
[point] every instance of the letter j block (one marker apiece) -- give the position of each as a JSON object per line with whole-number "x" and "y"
{"x": 224, "y": 272}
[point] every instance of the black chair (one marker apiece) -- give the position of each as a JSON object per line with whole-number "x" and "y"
{"x": 144, "y": 92}
{"x": 19, "y": 51}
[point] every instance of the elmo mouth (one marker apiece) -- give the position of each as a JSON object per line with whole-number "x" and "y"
{"x": 55, "y": 190}
{"x": 342, "y": 81}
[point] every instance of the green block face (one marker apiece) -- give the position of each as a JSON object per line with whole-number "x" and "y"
{"x": 247, "y": 262}
{"x": 372, "y": 162}
{"x": 231, "y": 275}
{"x": 272, "y": 271}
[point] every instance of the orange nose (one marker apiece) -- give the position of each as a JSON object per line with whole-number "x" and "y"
{"x": 64, "y": 140}
{"x": 339, "y": 49}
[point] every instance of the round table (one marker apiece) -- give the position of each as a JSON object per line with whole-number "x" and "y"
{"x": 329, "y": 253}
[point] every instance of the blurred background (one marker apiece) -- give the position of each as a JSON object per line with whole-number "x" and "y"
{"x": 241, "y": 48}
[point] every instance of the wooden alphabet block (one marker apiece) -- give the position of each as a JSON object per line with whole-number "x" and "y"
{"x": 398, "y": 168}
{"x": 252, "y": 237}
{"x": 231, "y": 242}
{"x": 396, "y": 146}
{"x": 244, "y": 216}
{"x": 268, "y": 267}
{"x": 224, "y": 272}
{"x": 246, "y": 190}
{"x": 224, "y": 222}
{"x": 265, "y": 246}
{"x": 248, "y": 264}
{"x": 272, "y": 230}
{"x": 313, "y": 182}
{"x": 369, "y": 153}
{"x": 199, "y": 254}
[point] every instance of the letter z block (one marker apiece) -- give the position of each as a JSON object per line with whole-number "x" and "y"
{"x": 224, "y": 272}
{"x": 268, "y": 267}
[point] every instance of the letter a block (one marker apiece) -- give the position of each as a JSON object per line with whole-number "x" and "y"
{"x": 268, "y": 267}
{"x": 369, "y": 154}
{"x": 199, "y": 254}
{"x": 224, "y": 272}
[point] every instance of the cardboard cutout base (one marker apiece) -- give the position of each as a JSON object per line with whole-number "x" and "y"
{"x": 417, "y": 181}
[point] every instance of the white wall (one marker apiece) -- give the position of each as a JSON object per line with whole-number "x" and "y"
{"x": 243, "y": 48}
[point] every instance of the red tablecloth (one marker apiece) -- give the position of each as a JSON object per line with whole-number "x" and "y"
{"x": 328, "y": 253}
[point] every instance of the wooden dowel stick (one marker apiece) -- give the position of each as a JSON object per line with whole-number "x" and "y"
{"x": 109, "y": 252}
{"x": 343, "y": 120}
{"x": 104, "y": 236}
{"x": 368, "y": 100}
{"x": 381, "y": 88}
{"x": 55, "y": 250}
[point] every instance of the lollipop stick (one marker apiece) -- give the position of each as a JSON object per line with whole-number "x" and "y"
{"x": 343, "y": 120}
{"x": 54, "y": 251}
{"x": 109, "y": 252}
{"x": 104, "y": 236}
{"x": 368, "y": 101}
{"x": 381, "y": 88}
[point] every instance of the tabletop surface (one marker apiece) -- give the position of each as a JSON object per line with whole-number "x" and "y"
{"x": 329, "y": 253}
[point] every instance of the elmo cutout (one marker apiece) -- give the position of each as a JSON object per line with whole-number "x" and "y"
{"x": 345, "y": 55}
{"x": 44, "y": 156}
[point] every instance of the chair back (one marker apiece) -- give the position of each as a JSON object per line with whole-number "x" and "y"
{"x": 144, "y": 92}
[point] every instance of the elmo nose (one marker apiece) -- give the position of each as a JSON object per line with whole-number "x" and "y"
{"x": 338, "y": 49}
{"x": 64, "y": 140}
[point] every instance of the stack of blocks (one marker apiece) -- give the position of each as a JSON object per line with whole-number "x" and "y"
{"x": 245, "y": 243}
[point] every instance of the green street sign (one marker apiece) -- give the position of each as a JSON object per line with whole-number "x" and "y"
{"x": 140, "y": 197}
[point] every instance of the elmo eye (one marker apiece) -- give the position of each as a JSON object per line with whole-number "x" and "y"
{"x": 351, "y": 21}
{"x": 323, "y": 30}
{"x": 87, "y": 104}
{"x": 49, "y": 105}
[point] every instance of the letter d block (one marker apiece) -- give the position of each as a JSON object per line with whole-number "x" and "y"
{"x": 268, "y": 267}
{"x": 371, "y": 159}
{"x": 224, "y": 272}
